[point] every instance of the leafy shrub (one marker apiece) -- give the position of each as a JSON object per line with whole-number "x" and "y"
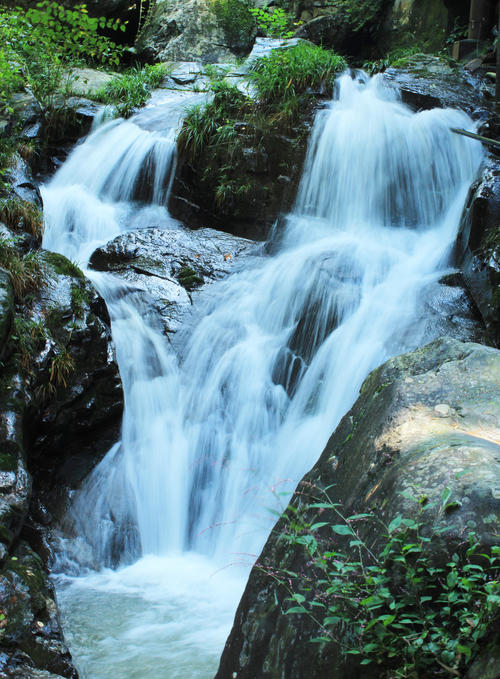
{"x": 40, "y": 44}
{"x": 212, "y": 126}
{"x": 132, "y": 89}
{"x": 366, "y": 16}
{"x": 399, "y": 608}
{"x": 220, "y": 135}
{"x": 274, "y": 22}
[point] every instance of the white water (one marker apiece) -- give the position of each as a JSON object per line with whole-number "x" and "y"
{"x": 274, "y": 357}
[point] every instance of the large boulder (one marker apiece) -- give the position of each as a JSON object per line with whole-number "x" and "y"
{"x": 60, "y": 410}
{"x": 478, "y": 247}
{"x": 191, "y": 30}
{"x": 424, "y": 423}
{"x": 427, "y": 81}
{"x": 167, "y": 267}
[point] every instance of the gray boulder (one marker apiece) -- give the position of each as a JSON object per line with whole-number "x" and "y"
{"x": 423, "y": 422}
{"x": 478, "y": 247}
{"x": 189, "y": 30}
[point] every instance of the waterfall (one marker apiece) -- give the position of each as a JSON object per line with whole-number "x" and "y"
{"x": 216, "y": 438}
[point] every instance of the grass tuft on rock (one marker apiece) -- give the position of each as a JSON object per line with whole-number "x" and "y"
{"x": 132, "y": 89}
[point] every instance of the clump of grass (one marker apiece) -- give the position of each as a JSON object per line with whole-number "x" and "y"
{"x": 61, "y": 367}
{"x": 19, "y": 215}
{"x": 29, "y": 337}
{"x": 285, "y": 76}
{"x": 132, "y": 89}
{"x": 80, "y": 298}
{"x": 27, "y": 272}
{"x": 212, "y": 126}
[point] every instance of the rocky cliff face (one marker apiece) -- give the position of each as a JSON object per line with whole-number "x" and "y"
{"x": 423, "y": 422}
{"x": 60, "y": 409}
{"x": 478, "y": 247}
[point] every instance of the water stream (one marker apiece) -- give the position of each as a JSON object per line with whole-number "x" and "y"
{"x": 214, "y": 438}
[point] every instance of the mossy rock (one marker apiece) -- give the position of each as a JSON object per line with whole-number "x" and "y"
{"x": 424, "y": 422}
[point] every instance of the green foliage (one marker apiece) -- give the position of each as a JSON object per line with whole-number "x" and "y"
{"x": 212, "y": 126}
{"x": 80, "y": 298}
{"x": 133, "y": 88}
{"x": 63, "y": 266}
{"x": 27, "y": 272}
{"x": 411, "y": 614}
{"x": 363, "y": 16}
{"x": 222, "y": 135}
{"x": 40, "y": 44}
{"x": 28, "y": 338}
{"x": 235, "y": 18}
{"x": 274, "y": 22}
{"x": 61, "y": 367}
{"x": 189, "y": 278}
{"x": 287, "y": 74}
{"x": 19, "y": 215}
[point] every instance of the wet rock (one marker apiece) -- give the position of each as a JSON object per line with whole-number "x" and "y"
{"x": 392, "y": 445}
{"x": 166, "y": 265}
{"x": 19, "y": 177}
{"x": 478, "y": 246}
{"x": 30, "y": 633}
{"x": 261, "y": 182}
{"x": 427, "y": 81}
{"x": 87, "y": 81}
{"x": 77, "y": 400}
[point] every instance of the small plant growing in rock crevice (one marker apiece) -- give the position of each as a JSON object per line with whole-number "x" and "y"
{"x": 61, "y": 367}
{"x": 133, "y": 88}
{"x": 19, "y": 215}
{"x": 397, "y": 607}
{"x": 27, "y": 272}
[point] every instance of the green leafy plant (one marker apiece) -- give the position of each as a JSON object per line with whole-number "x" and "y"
{"x": 398, "y": 607}
{"x": 27, "y": 272}
{"x": 228, "y": 136}
{"x": 274, "y": 22}
{"x": 28, "y": 338}
{"x": 42, "y": 43}
{"x": 287, "y": 74}
{"x": 132, "y": 89}
{"x": 19, "y": 215}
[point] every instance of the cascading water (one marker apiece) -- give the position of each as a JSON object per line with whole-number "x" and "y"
{"x": 273, "y": 357}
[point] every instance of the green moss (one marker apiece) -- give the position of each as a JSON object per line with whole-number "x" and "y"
{"x": 63, "y": 266}
{"x": 189, "y": 278}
